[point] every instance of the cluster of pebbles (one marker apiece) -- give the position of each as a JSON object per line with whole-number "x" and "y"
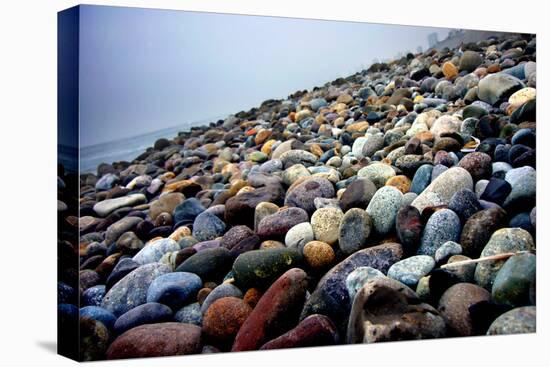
{"x": 395, "y": 204}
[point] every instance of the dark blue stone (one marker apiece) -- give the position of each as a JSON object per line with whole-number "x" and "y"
{"x": 93, "y": 295}
{"x": 465, "y": 204}
{"x": 123, "y": 268}
{"x": 100, "y": 314}
{"x": 528, "y": 158}
{"x": 207, "y": 226}
{"x": 422, "y": 178}
{"x": 148, "y": 313}
{"x": 174, "y": 289}
{"x": 525, "y": 137}
{"x": 518, "y": 71}
{"x": 496, "y": 191}
{"x": 523, "y": 221}
{"x": 501, "y": 153}
{"x": 188, "y": 211}
{"x": 516, "y": 151}
{"x": 66, "y": 293}
{"x": 373, "y": 117}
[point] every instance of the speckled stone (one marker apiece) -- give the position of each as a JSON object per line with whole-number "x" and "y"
{"x": 358, "y": 194}
{"x": 383, "y": 209}
{"x": 514, "y": 280}
{"x": 503, "y": 240}
{"x": 153, "y": 251}
{"x": 410, "y": 270}
{"x": 524, "y": 186}
{"x": 318, "y": 254}
{"x": 377, "y": 173}
{"x": 465, "y": 204}
{"x": 520, "y": 320}
{"x": 190, "y": 314}
{"x": 354, "y": 230}
{"x": 359, "y": 277}
{"x": 325, "y": 223}
{"x": 422, "y": 178}
{"x": 299, "y": 235}
{"x": 443, "y": 225}
{"x": 447, "y": 250}
{"x": 302, "y": 195}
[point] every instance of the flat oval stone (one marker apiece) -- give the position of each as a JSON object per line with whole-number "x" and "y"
{"x": 355, "y": 228}
{"x": 303, "y": 194}
{"x": 520, "y": 320}
{"x": 497, "y": 87}
{"x": 514, "y": 280}
{"x": 422, "y": 178}
{"x": 210, "y": 264}
{"x": 502, "y": 241}
{"x": 409, "y": 271}
{"x": 276, "y": 226}
{"x": 443, "y": 225}
{"x": 190, "y": 314}
{"x": 157, "y": 340}
{"x": 148, "y": 313}
{"x": 441, "y": 190}
{"x": 299, "y": 235}
{"x": 174, "y": 289}
{"x": 318, "y": 255}
{"x": 383, "y": 209}
{"x": 358, "y": 194}
{"x": 277, "y": 311}
{"x": 105, "y": 207}
{"x": 131, "y": 291}
{"x": 207, "y": 226}
{"x": 478, "y": 230}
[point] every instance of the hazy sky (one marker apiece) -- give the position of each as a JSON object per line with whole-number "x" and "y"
{"x": 143, "y": 70}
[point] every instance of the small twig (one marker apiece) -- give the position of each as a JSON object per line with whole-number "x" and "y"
{"x": 229, "y": 281}
{"x": 486, "y": 258}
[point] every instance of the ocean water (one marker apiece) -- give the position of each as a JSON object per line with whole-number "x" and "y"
{"x": 127, "y": 149}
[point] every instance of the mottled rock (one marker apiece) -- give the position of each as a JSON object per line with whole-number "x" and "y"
{"x": 410, "y": 270}
{"x": 443, "y": 225}
{"x": 355, "y": 228}
{"x": 514, "y": 280}
{"x": 383, "y": 209}
{"x": 478, "y": 229}
{"x": 325, "y": 223}
{"x": 520, "y": 320}
{"x": 174, "y": 289}
{"x": 358, "y": 194}
{"x": 314, "y": 330}
{"x": 302, "y": 195}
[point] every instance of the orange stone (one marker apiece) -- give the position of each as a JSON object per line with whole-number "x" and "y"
{"x": 318, "y": 254}
{"x": 493, "y": 68}
{"x": 262, "y": 136}
{"x": 449, "y": 70}
{"x": 358, "y": 127}
{"x": 425, "y": 136}
{"x": 402, "y": 183}
{"x": 267, "y": 147}
{"x": 316, "y": 149}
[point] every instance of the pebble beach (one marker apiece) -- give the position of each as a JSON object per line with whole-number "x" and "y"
{"x": 398, "y": 203}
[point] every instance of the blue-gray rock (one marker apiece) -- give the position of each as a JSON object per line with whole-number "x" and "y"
{"x": 410, "y": 270}
{"x": 107, "y": 182}
{"x": 520, "y": 320}
{"x": 100, "y": 314}
{"x": 502, "y": 241}
{"x": 497, "y": 87}
{"x": 377, "y": 173}
{"x": 121, "y": 269}
{"x": 148, "y": 313}
{"x": 524, "y": 186}
{"x": 354, "y": 230}
{"x": 437, "y": 170}
{"x": 422, "y": 178}
{"x": 115, "y": 230}
{"x": 465, "y": 204}
{"x": 383, "y": 209}
{"x": 207, "y": 226}
{"x": 93, "y": 295}
{"x": 443, "y": 225}
{"x": 514, "y": 281}
{"x": 359, "y": 277}
{"x": 317, "y": 103}
{"x": 223, "y": 290}
{"x": 153, "y": 251}
{"x": 190, "y": 314}
{"x": 131, "y": 291}
{"x": 174, "y": 289}
{"x": 447, "y": 250}
{"x": 187, "y": 211}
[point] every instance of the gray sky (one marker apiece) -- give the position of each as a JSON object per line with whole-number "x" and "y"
{"x": 142, "y": 70}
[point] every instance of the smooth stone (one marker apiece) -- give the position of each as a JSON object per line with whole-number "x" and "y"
{"x": 131, "y": 291}
{"x": 447, "y": 250}
{"x": 221, "y": 291}
{"x": 260, "y": 267}
{"x": 502, "y": 241}
{"x": 157, "y": 340}
{"x": 377, "y": 173}
{"x": 121, "y": 269}
{"x": 293, "y": 173}
{"x": 190, "y": 314}
{"x": 107, "y": 182}
{"x": 235, "y": 235}
{"x": 355, "y": 228}
{"x": 105, "y": 207}
{"x": 469, "y": 61}
{"x": 208, "y": 226}
{"x": 325, "y": 223}
{"x": 523, "y": 181}
{"x": 297, "y": 156}
{"x": 410, "y": 270}
{"x": 478, "y": 229}
{"x": 224, "y": 318}
{"x": 209, "y": 264}
{"x": 187, "y": 210}
{"x": 331, "y": 298}
{"x": 129, "y": 243}
{"x": 358, "y": 194}
{"x": 100, "y": 314}
{"x": 276, "y": 226}
{"x": 153, "y": 251}
{"x": 515, "y": 280}
{"x": 240, "y": 209}
{"x": 373, "y": 144}
{"x": 480, "y": 187}
{"x": 318, "y": 255}
{"x": 93, "y": 295}
{"x": 299, "y": 235}
{"x": 497, "y": 87}
{"x": 303, "y": 194}
{"x": 437, "y": 170}
{"x": 496, "y": 191}
{"x": 409, "y": 226}
{"x": 445, "y": 124}
{"x": 277, "y": 311}
{"x": 359, "y": 277}
{"x": 358, "y": 145}
{"x": 465, "y": 204}
{"x": 444, "y": 225}
{"x": 523, "y": 221}
{"x": 385, "y": 309}
{"x": 440, "y": 191}
{"x": 314, "y": 330}
{"x": 520, "y": 320}
{"x": 454, "y": 306}
{"x": 174, "y": 289}
{"x": 383, "y": 209}
{"x": 115, "y": 230}
{"x": 148, "y": 313}
{"x": 263, "y": 210}
{"x": 478, "y": 164}
{"x": 422, "y": 178}
{"x": 525, "y": 137}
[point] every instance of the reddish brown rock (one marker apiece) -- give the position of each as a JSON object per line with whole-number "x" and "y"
{"x": 224, "y": 318}
{"x": 314, "y": 330}
{"x": 276, "y": 312}
{"x": 157, "y": 340}
{"x": 252, "y": 297}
